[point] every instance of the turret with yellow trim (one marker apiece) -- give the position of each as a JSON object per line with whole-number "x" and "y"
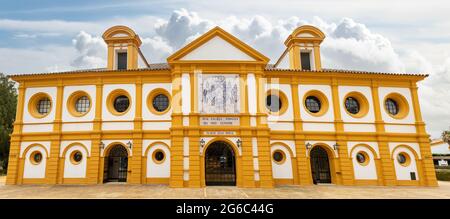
{"x": 123, "y": 48}
{"x": 303, "y": 46}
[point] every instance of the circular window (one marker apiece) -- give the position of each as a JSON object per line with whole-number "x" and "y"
{"x": 273, "y": 103}
{"x": 121, "y": 103}
{"x": 352, "y": 105}
{"x": 40, "y": 105}
{"x": 276, "y": 102}
{"x": 76, "y": 157}
{"x": 403, "y": 159}
{"x": 159, "y": 156}
{"x": 315, "y": 102}
{"x": 391, "y": 106}
{"x": 312, "y": 104}
{"x": 118, "y": 102}
{"x": 36, "y": 157}
{"x": 79, "y": 103}
{"x": 159, "y": 101}
{"x": 362, "y": 158}
{"x": 356, "y": 105}
{"x": 396, "y": 106}
{"x": 278, "y": 156}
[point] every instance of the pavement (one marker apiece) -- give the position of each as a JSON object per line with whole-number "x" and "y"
{"x": 127, "y": 191}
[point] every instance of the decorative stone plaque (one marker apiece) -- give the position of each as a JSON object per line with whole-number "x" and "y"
{"x": 220, "y": 121}
{"x": 219, "y": 94}
{"x": 219, "y": 133}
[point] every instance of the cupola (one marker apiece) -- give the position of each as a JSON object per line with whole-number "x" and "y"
{"x": 303, "y": 47}
{"x": 123, "y": 48}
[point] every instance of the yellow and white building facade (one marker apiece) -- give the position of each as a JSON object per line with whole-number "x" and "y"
{"x": 217, "y": 113}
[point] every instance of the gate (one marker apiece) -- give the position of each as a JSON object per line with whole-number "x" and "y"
{"x": 220, "y": 165}
{"x": 320, "y": 166}
{"x": 116, "y": 165}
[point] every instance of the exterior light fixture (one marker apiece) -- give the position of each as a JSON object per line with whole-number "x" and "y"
{"x": 336, "y": 147}
{"x": 101, "y": 145}
{"x": 129, "y": 144}
{"x": 239, "y": 143}
{"x": 308, "y": 145}
{"x": 202, "y": 142}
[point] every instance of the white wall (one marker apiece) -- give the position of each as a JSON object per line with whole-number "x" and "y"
{"x": 106, "y": 115}
{"x": 286, "y": 89}
{"x": 406, "y": 93}
{"x": 28, "y": 118}
{"x": 69, "y": 90}
{"x": 146, "y": 90}
{"x": 156, "y": 170}
{"x": 284, "y": 170}
{"x": 32, "y": 171}
{"x": 367, "y": 172}
{"x": 75, "y": 170}
{"x": 367, "y": 92}
{"x": 402, "y": 172}
{"x": 217, "y": 49}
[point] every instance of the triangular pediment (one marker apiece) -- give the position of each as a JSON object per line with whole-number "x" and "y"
{"x": 217, "y": 45}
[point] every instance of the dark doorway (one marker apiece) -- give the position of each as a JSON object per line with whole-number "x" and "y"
{"x": 116, "y": 165}
{"x": 220, "y": 165}
{"x": 320, "y": 166}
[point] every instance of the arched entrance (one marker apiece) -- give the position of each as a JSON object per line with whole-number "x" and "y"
{"x": 116, "y": 164}
{"x": 320, "y": 165}
{"x": 220, "y": 165}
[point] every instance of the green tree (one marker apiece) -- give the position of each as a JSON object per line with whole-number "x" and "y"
{"x": 446, "y": 136}
{"x": 8, "y": 101}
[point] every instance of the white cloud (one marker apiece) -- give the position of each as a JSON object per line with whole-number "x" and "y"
{"x": 92, "y": 51}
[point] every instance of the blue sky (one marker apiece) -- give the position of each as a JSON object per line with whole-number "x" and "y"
{"x": 383, "y": 35}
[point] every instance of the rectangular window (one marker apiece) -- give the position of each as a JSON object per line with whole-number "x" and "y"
{"x": 306, "y": 60}
{"x": 121, "y": 60}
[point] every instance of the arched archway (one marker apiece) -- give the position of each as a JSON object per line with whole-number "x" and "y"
{"x": 220, "y": 164}
{"x": 320, "y": 165}
{"x": 116, "y": 164}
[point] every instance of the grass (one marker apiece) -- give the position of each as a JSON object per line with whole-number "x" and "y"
{"x": 443, "y": 174}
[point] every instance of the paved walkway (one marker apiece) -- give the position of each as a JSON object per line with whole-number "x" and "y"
{"x": 162, "y": 191}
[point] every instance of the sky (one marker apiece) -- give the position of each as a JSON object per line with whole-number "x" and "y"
{"x": 388, "y": 36}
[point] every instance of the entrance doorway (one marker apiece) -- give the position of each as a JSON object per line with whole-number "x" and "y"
{"x": 320, "y": 166}
{"x": 220, "y": 165}
{"x": 116, "y": 165}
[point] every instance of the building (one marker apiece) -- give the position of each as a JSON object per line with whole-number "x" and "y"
{"x": 441, "y": 153}
{"x": 217, "y": 113}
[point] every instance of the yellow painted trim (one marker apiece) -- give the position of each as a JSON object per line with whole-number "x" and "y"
{"x": 362, "y": 102}
{"x": 283, "y": 157}
{"x": 154, "y": 156}
{"x": 366, "y": 158}
{"x": 72, "y": 100}
{"x": 324, "y": 103}
{"x": 111, "y": 98}
{"x": 402, "y": 104}
{"x": 283, "y": 98}
{"x": 32, "y": 160}
{"x": 32, "y": 105}
{"x": 152, "y": 95}
{"x": 72, "y": 157}
{"x": 217, "y": 31}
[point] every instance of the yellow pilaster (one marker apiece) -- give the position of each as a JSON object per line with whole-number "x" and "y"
{"x": 248, "y": 171}
{"x": 303, "y": 165}
{"x": 263, "y": 140}
{"x": 136, "y": 160}
{"x": 317, "y": 61}
{"x": 14, "y": 148}
{"x": 428, "y": 170}
{"x": 53, "y": 160}
{"x": 177, "y": 132}
{"x": 344, "y": 168}
{"x": 386, "y": 173}
{"x": 93, "y": 169}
